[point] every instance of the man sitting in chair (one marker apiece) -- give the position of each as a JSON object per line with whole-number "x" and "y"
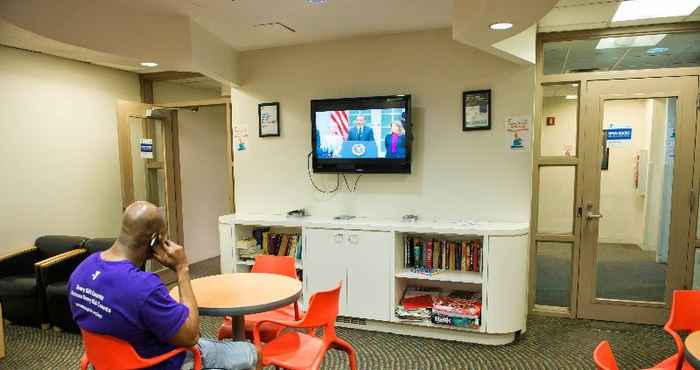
{"x": 110, "y": 295}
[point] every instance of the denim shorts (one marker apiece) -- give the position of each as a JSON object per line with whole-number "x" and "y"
{"x": 224, "y": 355}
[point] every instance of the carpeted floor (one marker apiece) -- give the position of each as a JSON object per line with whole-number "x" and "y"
{"x": 624, "y": 272}
{"x": 550, "y": 343}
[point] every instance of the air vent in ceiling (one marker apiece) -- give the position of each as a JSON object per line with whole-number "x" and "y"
{"x": 281, "y": 26}
{"x": 583, "y": 70}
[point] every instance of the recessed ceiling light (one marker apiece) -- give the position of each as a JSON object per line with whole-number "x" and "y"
{"x": 629, "y": 41}
{"x": 571, "y": 97}
{"x": 316, "y": 2}
{"x": 149, "y": 64}
{"x": 574, "y": 85}
{"x": 646, "y": 9}
{"x": 501, "y": 26}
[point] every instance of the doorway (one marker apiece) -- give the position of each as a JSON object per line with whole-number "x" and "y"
{"x": 148, "y": 157}
{"x": 614, "y": 212}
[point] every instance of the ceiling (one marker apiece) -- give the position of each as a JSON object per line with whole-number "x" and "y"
{"x": 676, "y": 50}
{"x": 572, "y": 15}
{"x": 259, "y": 24}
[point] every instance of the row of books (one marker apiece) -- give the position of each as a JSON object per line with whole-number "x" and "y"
{"x": 277, "y": 244}
{"x": 458, "y": 308}
{"x": 440, "y": 254}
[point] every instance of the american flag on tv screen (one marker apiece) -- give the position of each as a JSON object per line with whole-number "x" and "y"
{"x": 340, "y": 119}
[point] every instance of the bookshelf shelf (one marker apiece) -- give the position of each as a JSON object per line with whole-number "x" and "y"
{"x": 449, "y": 276}
{"x": 427, "y": 324}
{"x": 248, "y": 262}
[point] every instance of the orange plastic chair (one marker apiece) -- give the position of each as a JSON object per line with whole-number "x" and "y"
{"x": 280, "y": 265}
{"x": 109, "y": 353}
{"x": 604, "y": 357}
{"x": 685, "y": 317}
{"x": 296, "y": 350}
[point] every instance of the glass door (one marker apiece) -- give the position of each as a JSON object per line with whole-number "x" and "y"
{"x": 638, "y": 154}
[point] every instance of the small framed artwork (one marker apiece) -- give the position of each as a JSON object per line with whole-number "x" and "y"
{"x": 269, "y": 119}
{"x": 476, "y": 110}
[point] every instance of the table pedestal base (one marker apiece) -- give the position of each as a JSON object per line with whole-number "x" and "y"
{"x": 238, "y": 328}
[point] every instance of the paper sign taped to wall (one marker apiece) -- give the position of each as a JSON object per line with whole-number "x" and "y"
{"x": 240, "y": 138}
{"x": 146, "y": 148}
{"x": 619, "y": 135}
{"x": 517, "y": 133}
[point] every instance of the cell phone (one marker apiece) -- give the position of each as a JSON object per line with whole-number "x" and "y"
{"x": 155, "y": 240}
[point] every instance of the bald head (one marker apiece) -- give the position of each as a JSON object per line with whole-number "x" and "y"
{"x": 140, "y": 221}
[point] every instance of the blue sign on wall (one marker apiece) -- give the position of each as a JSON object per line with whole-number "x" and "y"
{"x": 619, "y": 135}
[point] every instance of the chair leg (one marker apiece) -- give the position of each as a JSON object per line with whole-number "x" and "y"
{"x": 347, "y": 348}
{"x": 83, "y": 362}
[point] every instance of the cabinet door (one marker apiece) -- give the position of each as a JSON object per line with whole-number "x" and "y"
{"x": 370, "y": 277}
{"x": 325, "y": 262}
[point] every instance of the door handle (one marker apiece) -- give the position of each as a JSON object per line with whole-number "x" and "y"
{"x": 593, "y": 216}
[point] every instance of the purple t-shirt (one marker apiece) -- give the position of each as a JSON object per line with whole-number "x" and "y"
{"x": 115, "y": 298}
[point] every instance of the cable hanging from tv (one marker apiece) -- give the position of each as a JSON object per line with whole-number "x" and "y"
{"x": 311, "y": 178}
{"x": 354, "y": 185}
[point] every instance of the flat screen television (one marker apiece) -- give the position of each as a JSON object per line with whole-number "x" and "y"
{"x": 362, "y": 135}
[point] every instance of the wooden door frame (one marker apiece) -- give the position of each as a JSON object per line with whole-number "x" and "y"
{"x": 127, "y": 110}
{"x": 226, "y": 102}
{"x": 539, "y": 161}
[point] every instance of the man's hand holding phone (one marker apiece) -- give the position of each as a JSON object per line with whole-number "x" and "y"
{"x": 171, "y": 255}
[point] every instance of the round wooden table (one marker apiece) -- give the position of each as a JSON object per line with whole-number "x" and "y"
{"x": 692, "y": 349}
{"x": 237, "y": 295}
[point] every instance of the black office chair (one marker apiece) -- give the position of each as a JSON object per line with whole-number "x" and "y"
{"x": 21, "y": 292}
{"x": 54, "y": 275}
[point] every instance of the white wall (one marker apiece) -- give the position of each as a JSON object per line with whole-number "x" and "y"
{"x": 655, "y": 169}
{"x": 170, "y": 92}
{"x": 555, "y": 214}
{"x": 203, "y": 171}
{"x": 460, "y": 175}
{"x": 622, "y": 207}
{"x": 59, "y": 159}
{"x": 204, "y": 179}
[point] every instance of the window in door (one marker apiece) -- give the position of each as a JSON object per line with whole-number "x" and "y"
{"x": 635, "y": 199}
{"x": 556, "y": 157}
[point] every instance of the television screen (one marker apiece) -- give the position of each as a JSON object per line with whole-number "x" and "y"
{"x": 364, "y": 135}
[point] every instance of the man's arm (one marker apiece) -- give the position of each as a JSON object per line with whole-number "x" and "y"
{"x": 173, "y": 256}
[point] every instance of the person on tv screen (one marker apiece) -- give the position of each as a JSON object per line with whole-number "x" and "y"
{"x": 395, "y": 142}
{"x": 360, "y": 132}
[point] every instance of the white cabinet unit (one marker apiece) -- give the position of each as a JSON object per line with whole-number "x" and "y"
{"x": 367, "y": 256}
{"x": 356, "y": 258}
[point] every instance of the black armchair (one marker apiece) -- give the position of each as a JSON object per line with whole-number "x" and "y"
{"x": 21, "y": 292}
{"x": 54, "y": 274}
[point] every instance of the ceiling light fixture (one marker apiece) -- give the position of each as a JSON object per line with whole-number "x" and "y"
{"x": 501, "y": 26}
{"x": 316, "y": 2}
{"x": 657, "y": 51}
{"x": 645, "y": 9}
{"x": 149, "y": 64}
{"x": 629, "y": 41}
{"x": 571, "y": 97}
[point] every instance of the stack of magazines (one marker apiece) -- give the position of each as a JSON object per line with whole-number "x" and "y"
{"x": 430, "y": 305}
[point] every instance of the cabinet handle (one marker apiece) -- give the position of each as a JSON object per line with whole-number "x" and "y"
{"x": 354, "y": 239}
{"x": 339, "y": 238}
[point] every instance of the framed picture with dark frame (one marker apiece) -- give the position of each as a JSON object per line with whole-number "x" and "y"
{"x": 269, "y": 119}
{"x": 476, "y": 110}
